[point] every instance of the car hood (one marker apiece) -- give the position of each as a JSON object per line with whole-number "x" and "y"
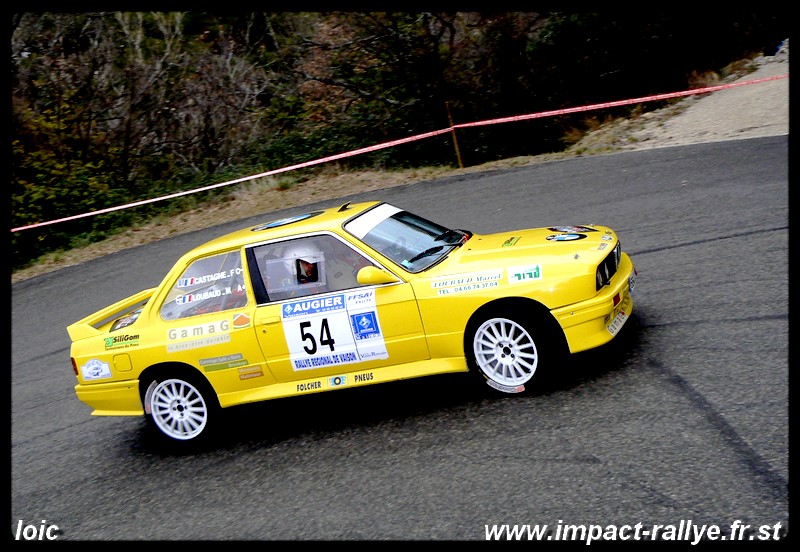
{"x": 561, "y": 259}
{"x": 592, "y": 242}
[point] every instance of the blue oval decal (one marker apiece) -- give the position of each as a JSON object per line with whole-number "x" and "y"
{"x": 565, "y": 237}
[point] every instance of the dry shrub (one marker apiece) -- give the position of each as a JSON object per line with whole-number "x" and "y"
{"x": 703, "y": 80}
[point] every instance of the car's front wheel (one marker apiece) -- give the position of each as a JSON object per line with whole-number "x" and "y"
{"x": 508, "y": 350}
{"x": 182, "y": 408}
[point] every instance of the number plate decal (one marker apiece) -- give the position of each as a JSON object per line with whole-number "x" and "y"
{"x": 333, "y": 330}
{"x": 620, "y": 318}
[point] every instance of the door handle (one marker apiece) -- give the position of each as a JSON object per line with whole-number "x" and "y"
{"x": 269, "y": 320}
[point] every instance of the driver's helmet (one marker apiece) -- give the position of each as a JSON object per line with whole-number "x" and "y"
{"x": 305, "y": 262}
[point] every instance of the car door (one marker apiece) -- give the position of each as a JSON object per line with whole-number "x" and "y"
{"x": 307, "y": 331}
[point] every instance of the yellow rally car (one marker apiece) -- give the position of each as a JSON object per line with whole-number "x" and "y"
{"x": 361, "y": 294}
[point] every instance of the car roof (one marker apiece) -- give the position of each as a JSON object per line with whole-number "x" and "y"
{"x": 313, "y": 220}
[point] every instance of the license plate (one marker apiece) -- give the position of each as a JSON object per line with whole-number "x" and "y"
{"x": 619, "y": 320}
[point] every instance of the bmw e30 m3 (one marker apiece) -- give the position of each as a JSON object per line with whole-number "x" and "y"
{"x": 351, "y": 296}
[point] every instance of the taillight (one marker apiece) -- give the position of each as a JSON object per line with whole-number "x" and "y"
{"x": 74, "y": 366}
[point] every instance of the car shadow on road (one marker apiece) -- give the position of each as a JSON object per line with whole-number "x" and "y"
{"x": 622, "y": 353}
{"x": 428, "y": 400}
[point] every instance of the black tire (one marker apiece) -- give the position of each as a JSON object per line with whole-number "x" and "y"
{"x": 508, "y": 350}
{"x": 183, "y": 408}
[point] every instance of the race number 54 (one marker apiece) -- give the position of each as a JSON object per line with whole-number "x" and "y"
{"x": 310, "y": 342}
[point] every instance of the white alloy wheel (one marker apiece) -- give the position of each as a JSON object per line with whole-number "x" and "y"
{"x": 178, "y": 409}
{"x": 505, "y": 352}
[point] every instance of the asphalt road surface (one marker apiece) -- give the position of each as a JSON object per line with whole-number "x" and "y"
{"x": 683, "y": 419}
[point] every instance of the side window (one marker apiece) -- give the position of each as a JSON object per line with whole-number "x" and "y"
{"x": 210, "y": 284}
{"x": 308, "y": 266}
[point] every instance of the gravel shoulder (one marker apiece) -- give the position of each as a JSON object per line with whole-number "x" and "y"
{"x": 748, "y": 111}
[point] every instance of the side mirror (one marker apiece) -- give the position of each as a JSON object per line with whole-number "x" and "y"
{"x": 372, "y": 275}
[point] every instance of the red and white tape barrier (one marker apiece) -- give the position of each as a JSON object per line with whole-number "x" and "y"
{"x": 412, "y": 139}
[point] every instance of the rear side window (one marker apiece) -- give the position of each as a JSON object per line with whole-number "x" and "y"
{"x": 210, "y": 284}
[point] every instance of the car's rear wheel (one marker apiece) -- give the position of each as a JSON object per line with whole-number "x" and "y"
{"x": 182, "y": 407}
{"x": 507, "y": 350}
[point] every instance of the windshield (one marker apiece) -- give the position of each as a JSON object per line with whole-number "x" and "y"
{"x": 407, "y": 239}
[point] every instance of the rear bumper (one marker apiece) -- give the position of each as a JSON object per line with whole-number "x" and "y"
{"x": 594, "y": 322}
{"x": 119, "y": 398}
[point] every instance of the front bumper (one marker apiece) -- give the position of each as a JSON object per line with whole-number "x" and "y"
{"x": 594, "y": 322}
